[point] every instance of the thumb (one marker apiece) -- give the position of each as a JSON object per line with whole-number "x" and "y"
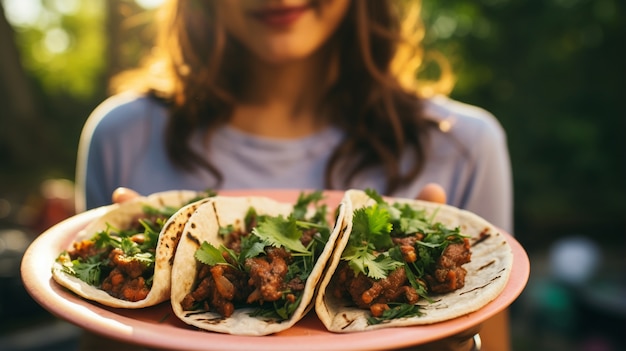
{"x": 122, "y": 194}
{"x": 433, "y": 192}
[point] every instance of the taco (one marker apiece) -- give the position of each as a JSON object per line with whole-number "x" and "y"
{"x": 124, "y": 258}
{"x": 407, "y": 262}
{"x": 251, "y": 265}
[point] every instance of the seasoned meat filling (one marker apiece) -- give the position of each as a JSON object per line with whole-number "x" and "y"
{"x": 127, "y": 278}
{"x": 375, "y": 295}
{"x": 449, "y": 275}
{"x": 222, "y": 287}
{"x": 219, "y": 286}
{"x": 267, "y": 274}
{"x": 84, "y": 249}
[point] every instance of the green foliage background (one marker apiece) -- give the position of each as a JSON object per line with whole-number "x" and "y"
{"x": 552, "y": 71}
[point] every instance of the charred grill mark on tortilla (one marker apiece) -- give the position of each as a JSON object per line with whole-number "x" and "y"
{"x": 175, "y": 239}
{"x": 180, "y": 226}
{"x": 217, "y": 216}
{"x": 486, "y": 284}
{"x": 207, "y": 320}
{"x": 167, "y": 227}
{"x": 484, "y": 235}
{"x": 210, "y": 320}
{"x": 491, "y": 263}
{"x": 348, "y": 321}
{"x": 193, "y": 238}
{"x": 189, "y": 314}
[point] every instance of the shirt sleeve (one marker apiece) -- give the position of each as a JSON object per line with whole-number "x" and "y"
{"x": 489, "y": 190}
{"x": 91, "y": 163}
{"x": 103, "y": 152}
{"x": 469, "y": 157}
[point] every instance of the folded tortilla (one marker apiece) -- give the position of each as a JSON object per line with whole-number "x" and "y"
{"x": 487, "y": 273}
{"x": 204, "y": 225}
{"x": 123, "y": 215}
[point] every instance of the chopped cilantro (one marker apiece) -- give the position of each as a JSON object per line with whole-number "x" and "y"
{"x": 301, "y": 206}
{"x": 89, "y": 271}
{"x": 281, "y": 232}
{"x": 210, "y": 255}
{"x": 223, "y": 231}
{"x": 370, "y": 249}
{"x": 251, "y": 246}
{"x": 370, "y": 236}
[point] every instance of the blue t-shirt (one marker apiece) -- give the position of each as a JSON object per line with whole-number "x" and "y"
{"x": 123, "y": 144}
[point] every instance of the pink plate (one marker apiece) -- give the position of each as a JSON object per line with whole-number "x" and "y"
{"x": 158, "y": 327}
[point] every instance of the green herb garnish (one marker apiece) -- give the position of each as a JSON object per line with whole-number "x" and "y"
{"x": 402, "y": 310}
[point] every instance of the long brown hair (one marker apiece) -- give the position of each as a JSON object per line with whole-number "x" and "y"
{"x": 375, "y": 98}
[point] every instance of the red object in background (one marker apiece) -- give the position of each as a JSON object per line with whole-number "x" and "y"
{"x": 57, "y": 203}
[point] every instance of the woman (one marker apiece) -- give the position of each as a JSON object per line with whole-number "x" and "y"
{"x": 295, "y": 94}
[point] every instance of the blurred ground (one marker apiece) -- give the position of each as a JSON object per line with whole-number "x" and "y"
{"x": 575, "y": 299}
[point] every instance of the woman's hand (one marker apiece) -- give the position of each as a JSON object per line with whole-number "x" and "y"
{"x": 433, "y": 192}
{"x": 123, "y": 194}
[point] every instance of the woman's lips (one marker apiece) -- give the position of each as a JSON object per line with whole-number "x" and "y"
{"x": 280, "y": 17}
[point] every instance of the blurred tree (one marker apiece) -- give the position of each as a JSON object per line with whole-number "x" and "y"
{"x": 19, "y": 98}
{"x": 553, "y": 72}
{"x": 21, "y": 138}
{"x": 62, "y": 43}
{"x": 129, "y": 33}
{"x": 51, "y": 79}
{"x": 57, "y": 58}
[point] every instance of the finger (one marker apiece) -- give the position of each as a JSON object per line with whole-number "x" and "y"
{"x": 122, "y": 194}
{"x": 433, "y": 192}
